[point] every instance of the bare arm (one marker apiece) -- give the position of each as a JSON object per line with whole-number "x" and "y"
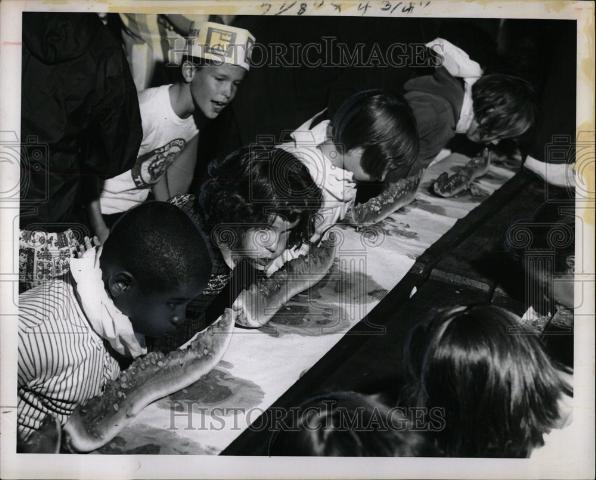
{"x": 179, "y": 174}
{"x": 161, "y": 192}
{"x": 98, "y": 224}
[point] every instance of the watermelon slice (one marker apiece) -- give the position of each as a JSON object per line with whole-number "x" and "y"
{"x": 257, "y": 304}
{"x": 148, "y": 378}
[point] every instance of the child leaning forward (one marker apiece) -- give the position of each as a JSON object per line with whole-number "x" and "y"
{"x": 73, "y": 331}
{"x": 371, "y": 134}
{"x": 257, "y": 202}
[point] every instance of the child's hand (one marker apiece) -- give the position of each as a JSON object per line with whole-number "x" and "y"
{"x": 315, "y": 238}
{"x": 274, "y": 266}
{"x": 87, "y": 245}
{"x": 286, "y": 256}
{"x": 45, "y": 440}
{"x": 239, "y": 314}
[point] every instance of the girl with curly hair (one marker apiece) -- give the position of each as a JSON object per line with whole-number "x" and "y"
{"x": 256, "y": 203}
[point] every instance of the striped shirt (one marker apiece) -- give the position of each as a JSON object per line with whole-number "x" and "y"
{"x": 62, "y": 361}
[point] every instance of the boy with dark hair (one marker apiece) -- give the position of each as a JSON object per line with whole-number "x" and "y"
{"x": 172, "y": 115}
{"x": 72, "y": 330}
{"x": 456, "y": 98}
{"x": 503, "y": 108}
{"x": 381, "y": 127}
{"x": 371, "y": 134}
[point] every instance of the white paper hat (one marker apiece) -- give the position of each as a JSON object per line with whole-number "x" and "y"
{"x": 221, "y": 43}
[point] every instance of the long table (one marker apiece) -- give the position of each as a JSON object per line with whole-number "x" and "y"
{"x": 458, "y": 269}
{"x": 373, "y": 264}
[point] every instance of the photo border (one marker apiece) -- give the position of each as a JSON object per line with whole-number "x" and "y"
{"x": 578, "y": 461}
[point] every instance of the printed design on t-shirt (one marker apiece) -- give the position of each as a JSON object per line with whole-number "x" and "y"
{"x": 150, "y": 167}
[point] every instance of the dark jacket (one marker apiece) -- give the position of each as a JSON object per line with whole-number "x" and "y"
{"x": 79, "y": 110}
{"x": 436, "y": 102}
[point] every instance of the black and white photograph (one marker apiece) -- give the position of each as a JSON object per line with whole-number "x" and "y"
{"x": 264, "y": 235}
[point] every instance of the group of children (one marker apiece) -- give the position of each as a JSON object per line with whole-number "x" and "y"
{"x": 479, "y": 385}
{"x": 167, "y": 257}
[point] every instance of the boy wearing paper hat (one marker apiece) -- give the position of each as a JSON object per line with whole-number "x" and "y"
{"x": 215, "y": 60}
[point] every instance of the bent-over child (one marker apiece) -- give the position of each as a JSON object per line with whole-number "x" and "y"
{"x": 371, "y": 134}
{"x": 72, "y": 331}
{"x": 256, "y": 202}
{"x": 458, "y": 99}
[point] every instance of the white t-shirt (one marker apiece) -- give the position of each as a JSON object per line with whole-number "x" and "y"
{"x": 336, "y": 184}
{"x": 164, "y": 136}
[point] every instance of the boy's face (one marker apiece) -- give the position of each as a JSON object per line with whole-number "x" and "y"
{"x": 156, "y": 314}
{"x": 213, "y": 87}
{"x": 352, "y": 161}
{"x": 263, "y": 245}
{"x": 476, "y": 135}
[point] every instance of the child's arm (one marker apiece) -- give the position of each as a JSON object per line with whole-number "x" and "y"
{"x": 179, "y": 174}
{"x": 98, "y": 224}
{"x": 160, "y": 190}
{"x": 34, "y": 409}
{"x": 47, "y": 439}
{"x": 286, "y": 256}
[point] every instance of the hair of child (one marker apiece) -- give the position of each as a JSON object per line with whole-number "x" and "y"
{"x": 160, "y": 246}
{"x": 251, "y": 186}
{"x": 504, "y": 105}
{"x": 347, "y": 424}
{"x": 383, "y": 125}
{"x": 200, "y": 62}
{"x": 499, "y": 389}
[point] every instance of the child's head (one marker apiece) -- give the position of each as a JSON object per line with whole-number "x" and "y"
{"x": 503, "y": 108}
{"x": 154, "y": 263}
{"x": 212, "y": 85}
{"x": 216, "y": 60}
{"x": 347, "y": 424}
{"x": 259, "y": 201}
{"x": 376, "y": 133}
{"x": 498, "y": 388}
